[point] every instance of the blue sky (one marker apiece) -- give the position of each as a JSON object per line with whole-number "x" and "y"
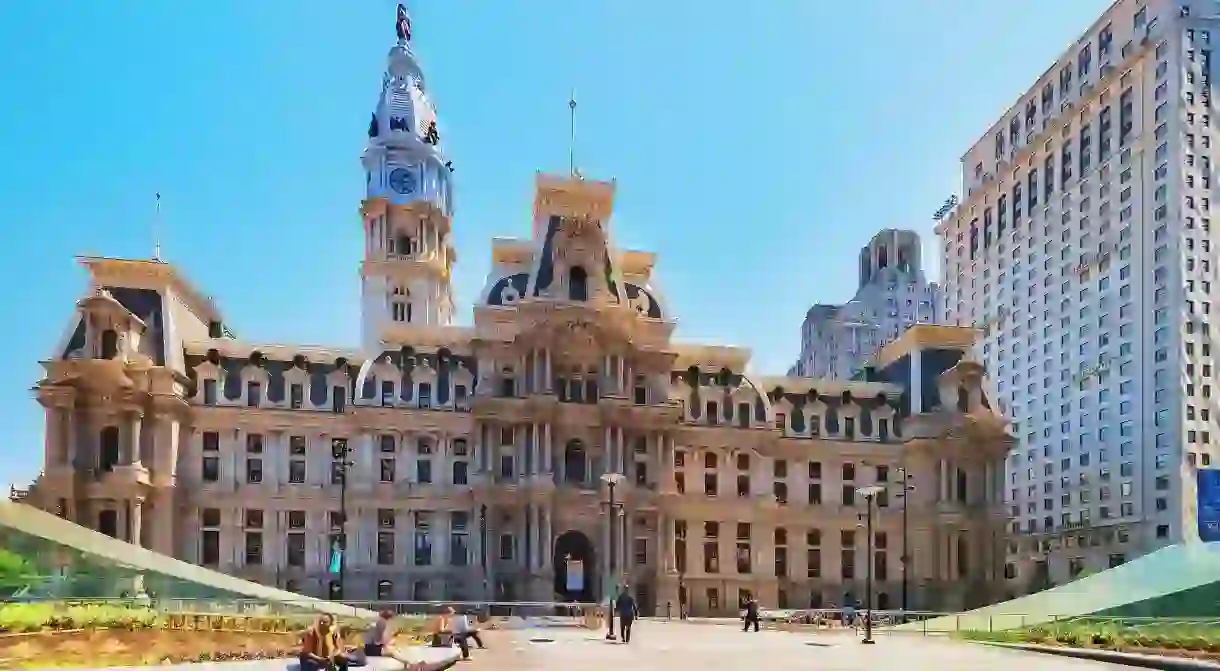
{"x": 756, "y": 146}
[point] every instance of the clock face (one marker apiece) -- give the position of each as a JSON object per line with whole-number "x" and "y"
{"x": 403, "y": 180}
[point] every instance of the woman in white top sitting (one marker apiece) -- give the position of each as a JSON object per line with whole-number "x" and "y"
{"x": 379, "y": 639}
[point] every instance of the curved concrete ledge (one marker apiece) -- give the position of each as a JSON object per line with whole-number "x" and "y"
{"x": 1116, "y": 657}
{"x": 434, "y": 659}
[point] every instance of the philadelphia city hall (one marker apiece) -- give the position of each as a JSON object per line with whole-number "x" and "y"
{"x": 478, "y": 461}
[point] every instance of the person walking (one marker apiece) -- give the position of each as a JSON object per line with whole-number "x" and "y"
{"x": 463, "y": 631}
{"x": 627, "y": 611}
{"x": 750, "y": 614}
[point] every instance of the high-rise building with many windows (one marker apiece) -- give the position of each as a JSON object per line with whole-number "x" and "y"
{"x": 893, "y": 295}
{"x": 1082, "y": 247}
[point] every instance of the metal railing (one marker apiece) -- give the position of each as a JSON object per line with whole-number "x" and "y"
{"x": 538, "y": 612}
{"x": 530, "y": 614}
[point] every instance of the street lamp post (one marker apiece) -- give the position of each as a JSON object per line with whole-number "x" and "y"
{"x": 341, "y": 452}
{"x": 870, "y": 494}
{"x": 907, "y": 488}
{"x": 611, "y": 479}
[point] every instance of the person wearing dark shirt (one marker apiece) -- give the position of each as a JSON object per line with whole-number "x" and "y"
{"x": 750, "y": 615}
{"x": 627, "y": 611}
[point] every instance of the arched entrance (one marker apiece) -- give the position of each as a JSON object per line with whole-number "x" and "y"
{"x": 570, "y": 548}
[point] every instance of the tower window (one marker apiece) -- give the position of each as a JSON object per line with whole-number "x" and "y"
{"x": 578, "y": 284}
{"x": 110, "y": 344}
{"x": 402, "y": 245}
{"x": 109, "y": 448}
{"x": 400, "y": 305}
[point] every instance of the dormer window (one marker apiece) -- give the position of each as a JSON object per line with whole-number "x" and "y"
{"x": 578, "y": 284}
{"x": 254, "y": 394}
{"x": 508, "y": 383}
{"x": 110, "y": 344}
{"x": 209, "y": 392}
{"x": 640, "y": 392}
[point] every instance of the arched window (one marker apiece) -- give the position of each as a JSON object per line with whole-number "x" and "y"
{"x": 403, "y": 246}
{"x": 962, "y": 493}
{"x": 963, "y": 399}
{"x": 110, "y": 344}
{"x": 578, "y": 284}
{"x": 574, "y": 462}
{"x": 108, "y": 448}
{"x": 385, "y": 590}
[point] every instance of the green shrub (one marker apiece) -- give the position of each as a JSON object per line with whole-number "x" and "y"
{"x": 1111, "y": 634}
{"x": 28, "y": 617}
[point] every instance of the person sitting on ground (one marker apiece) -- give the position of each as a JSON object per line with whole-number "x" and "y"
{"x": 463, "y": 632}
{"x": 321, "y": 648}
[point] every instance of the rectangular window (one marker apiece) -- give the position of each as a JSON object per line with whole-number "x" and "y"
{"x": 254, "y": 548}
{"x": 385, "y": 548}
{"x": 209, "y": 550}
{"x": 296, "y": 549}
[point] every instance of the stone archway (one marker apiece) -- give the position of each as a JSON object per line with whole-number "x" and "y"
{"x": 575, "y": 546}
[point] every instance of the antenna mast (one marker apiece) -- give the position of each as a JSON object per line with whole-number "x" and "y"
{"x": 572, "y": 134}
{"x": 156, "y": 232}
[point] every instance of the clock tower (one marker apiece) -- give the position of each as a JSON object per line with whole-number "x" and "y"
{"x": 408, "y": 205}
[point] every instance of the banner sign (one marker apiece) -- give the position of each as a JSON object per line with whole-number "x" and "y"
{"x": 575, "y": 577}
{"x": 1208, "y": 485}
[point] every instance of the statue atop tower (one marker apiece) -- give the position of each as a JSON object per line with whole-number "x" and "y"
{"x": 403, "y": 24}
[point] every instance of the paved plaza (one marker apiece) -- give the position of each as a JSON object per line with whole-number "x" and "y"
{"x": 659, "y": 645}
{"x": 664, "y": 646}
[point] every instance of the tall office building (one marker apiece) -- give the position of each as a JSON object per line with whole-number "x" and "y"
{"x": 893, "y": 295}
{"x": 1082, "y": 247}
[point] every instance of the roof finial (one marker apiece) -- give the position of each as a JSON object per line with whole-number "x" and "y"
{"x": 572, "y": 135}
{"x": 402, "y": 24}
{"x": 156, "y": 232}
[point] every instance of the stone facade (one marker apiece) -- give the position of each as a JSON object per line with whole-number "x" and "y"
{"x": 469, "y": 462}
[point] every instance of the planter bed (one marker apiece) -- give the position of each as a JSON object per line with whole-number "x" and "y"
{"x": 1199, "y": 641}
{"x": 42, "y": 636}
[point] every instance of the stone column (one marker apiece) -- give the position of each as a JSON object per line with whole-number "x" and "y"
{"x": 137, "y": 523}
{"x": 71, "y": 427}
{"x": 55, "y": 450}
{"x": 164, "y": 523}
{"x": 624, "y": 450}
{"x": 548, "y": 379}
{"x": 548, "y": 540}
{"x": 536, "y": 532}
{"x": 133, "y": 440}
{"x": 943, "y": 469}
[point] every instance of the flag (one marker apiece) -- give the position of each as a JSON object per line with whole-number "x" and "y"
{"x": 336, "y": 559}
